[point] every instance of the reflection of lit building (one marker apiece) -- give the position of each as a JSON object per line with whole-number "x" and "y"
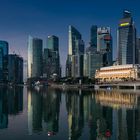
{"x": 116, "y": 99}
{"x": 11, "y": 102}
{"x": 43, "y": 111}
{"x": 51, "y": 109}
{"x": 15, "y": 100}
{"x": 3, "y": 108}
{"x": 74, "y": 105}
{"x": 118, "y": 73}
{"x": 34, "y": 111}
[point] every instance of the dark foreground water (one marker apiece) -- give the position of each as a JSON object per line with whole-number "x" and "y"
{"x": 50, "y": 114}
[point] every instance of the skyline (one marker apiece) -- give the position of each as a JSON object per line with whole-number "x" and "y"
{"x": 41, "y": 19}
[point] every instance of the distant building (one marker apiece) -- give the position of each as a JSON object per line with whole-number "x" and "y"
{"x": 74, "y": 61}
{"x": 15, "y": 69}
{"x": 118, "y": 73}
{"x": 35, "y": 60}
{"x": 104, "y": 45}
{"x": 51, "y": 57}
{"x": 92, "y": 60}
{"x": 77, "y": 65}
{"x": 4, "y": 49}
{"x": 53, "y": 43}
{"x": 93, "y": 36}
{"x": 126, "y": 40}
{"x": 138, "y": 51}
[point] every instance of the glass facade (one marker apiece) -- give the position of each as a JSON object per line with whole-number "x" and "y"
{"x": 74, "y": 35}
{"x": 138, "y": 51}
{"x": 126, "y": 40}
{"x": 93, "y": 36}
{"x": 15, "y": 69}
{"x": 74, "y": 64}
{"x": 53, "y": 43}
{"x": 35, "y": 60}
{"x": 104, "y": 44}
{"x": 51, "y": 57}
{"x": 93, "y": 60}
{"x": 4, "y": 48}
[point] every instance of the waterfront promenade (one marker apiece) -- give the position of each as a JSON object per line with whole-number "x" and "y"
{"x": 134, "y": 85}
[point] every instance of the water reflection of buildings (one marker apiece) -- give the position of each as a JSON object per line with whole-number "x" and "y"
{"x": 116, "y": 99}
{"x": 125, "y": 113}
{"x": 82, "y": 109}
{"x": 98, "y": 113}
{"x": 43, "y": 110}
{"x": 11, "y": 102}
{"x": 74, "y": 104}
{"x": 102, "y": 112}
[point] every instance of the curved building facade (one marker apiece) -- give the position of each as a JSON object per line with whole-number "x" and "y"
{"x": 126, "y": 40}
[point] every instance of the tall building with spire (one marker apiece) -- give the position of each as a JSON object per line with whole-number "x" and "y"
{"x": 126, "y": 39}
{"x": 74, "y": 63}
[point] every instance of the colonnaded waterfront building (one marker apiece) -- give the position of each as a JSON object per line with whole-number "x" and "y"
{"x": 118, "y": 73}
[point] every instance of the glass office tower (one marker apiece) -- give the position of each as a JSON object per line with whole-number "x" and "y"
{"x": 104, "y": 45}
{"x": 74, "y": 63}
{"x": 15, "y": 69}
{"x": 35, "y": 60}
{"x": 93, "y": 60}
{"x": 138, "y": 51}
{"x": 4, "y": 49}
{"x": 126, "y": 39}
{"x": 93, "y": 36}
{"x": 53, "y": 43}
{"x": 51, "y": 57}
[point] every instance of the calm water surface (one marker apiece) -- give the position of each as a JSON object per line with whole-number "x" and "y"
{"x": 52, "y": 114}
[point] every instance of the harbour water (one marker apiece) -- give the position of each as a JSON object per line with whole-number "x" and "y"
{"x": 55, "y": 114}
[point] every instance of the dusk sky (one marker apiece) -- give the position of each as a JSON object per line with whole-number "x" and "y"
{"x": 40, "y": 18}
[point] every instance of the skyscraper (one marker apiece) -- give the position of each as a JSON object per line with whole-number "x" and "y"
{"x": 53, "y": 43}
{"x": 126, "y": 39}
{"x": 104, "y": 44}
{"x": 138, "y": 51}
{"x": 4, "y": 49}
{"x": 74, "y": 63}
{"x": 35, "y": 60}
{"x": 51, "y": 57}
{"x": 93, "y": 36}
{"x": 15, "y": 69}
{"x": 93, "y": 60}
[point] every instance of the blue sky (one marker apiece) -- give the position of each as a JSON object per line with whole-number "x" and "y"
{"x": 40, "y": 18}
